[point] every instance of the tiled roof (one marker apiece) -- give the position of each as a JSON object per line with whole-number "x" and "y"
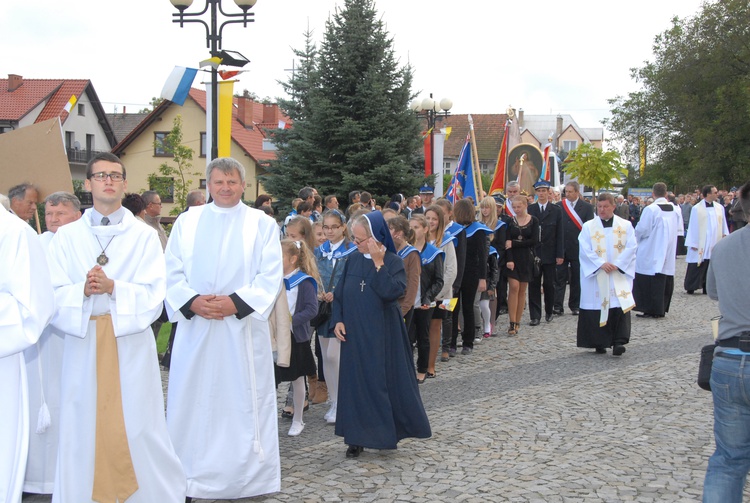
{"x": 541, "y": 126}
{"x": 123, "y": 124}
{"x": 15, "y": 105}
{"x": 488, "y": 130}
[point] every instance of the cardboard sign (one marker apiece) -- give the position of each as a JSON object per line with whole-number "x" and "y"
{"x": 35, "y": 154}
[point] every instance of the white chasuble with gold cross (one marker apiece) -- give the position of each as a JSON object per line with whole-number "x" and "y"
{"x": 598, "y": 245}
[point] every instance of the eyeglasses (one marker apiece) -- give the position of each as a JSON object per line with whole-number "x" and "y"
{"x": 101, "y": 176}
{"x": 360, "y": 241}
{"x": 331, "y": 228}
{"x": 158, "y": 204}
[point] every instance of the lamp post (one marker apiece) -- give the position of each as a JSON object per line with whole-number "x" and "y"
{"x": 432, "y": 111}
{"x": 213, "y": 42}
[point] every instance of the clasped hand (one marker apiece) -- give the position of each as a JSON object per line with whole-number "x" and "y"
{"x": 213, "y": 307}
{"x": 97, "y": 282}
{"x": 608, "y": 267}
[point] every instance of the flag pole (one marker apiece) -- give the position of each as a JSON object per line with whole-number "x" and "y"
{"x": 476, "y": 171}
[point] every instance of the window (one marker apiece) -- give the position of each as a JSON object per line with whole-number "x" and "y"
{"x": 570, "y": 145}
{"x": 269, "y": 145}
{"x": 81, "y": 109}
{"x": 204, "y": 149}
{"x": 70, "y": 139}
{"x": 159, "y": 149}
{"x": 484, "y": 167}
{"x": 90, "y": 146}
{"x": 165, "y": 187}
{"x": 202, "y": 183}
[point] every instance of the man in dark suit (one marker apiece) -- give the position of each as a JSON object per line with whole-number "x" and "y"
{"x": 550, "y": 250}
{"x": 576, "y": 212}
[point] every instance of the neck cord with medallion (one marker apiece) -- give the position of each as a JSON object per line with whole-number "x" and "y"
{"x": 103, "y": 259}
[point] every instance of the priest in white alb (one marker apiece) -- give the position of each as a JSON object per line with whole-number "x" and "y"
{"x": 708, "y": 224}
{"x": 656, "y": 233}
{"x": 224, "y": 271}
{"x": 110, "y": 280}
{"x": 44, "y": 368}
{"x": 27, "y": 304}
{"x": 607, "y": 248}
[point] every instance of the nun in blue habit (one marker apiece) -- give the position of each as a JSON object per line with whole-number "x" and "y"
{"x": 379, "y": 402}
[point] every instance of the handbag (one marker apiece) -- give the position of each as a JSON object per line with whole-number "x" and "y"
{"x": 324, "y": 308}
{"x": 704, "y": 367}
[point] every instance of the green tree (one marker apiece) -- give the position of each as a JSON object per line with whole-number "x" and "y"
{"x": 355, "y": 129}
{"x": 694, "y": 106}
{"x": 174, "y": 181}
{"x": 155, "y": 102}
{"x": 593, "y": 167}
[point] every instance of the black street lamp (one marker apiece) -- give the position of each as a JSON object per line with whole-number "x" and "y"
{"x": 432, "y": 111}
{"x": 213, "y": 42}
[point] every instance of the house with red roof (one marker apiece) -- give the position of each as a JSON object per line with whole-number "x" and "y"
{"x": 252, "y": 121}
{"x": 86, "y": 131}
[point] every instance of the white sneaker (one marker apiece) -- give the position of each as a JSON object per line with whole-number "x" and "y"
{"x": 296, "y": 428}
{"x": 330, "y": 416}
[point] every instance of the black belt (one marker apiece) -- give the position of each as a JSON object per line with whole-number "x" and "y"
{"x": 732, "y": 342}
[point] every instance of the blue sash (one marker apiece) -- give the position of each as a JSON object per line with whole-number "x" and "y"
{"x": 298, "y": 278}
{"x": 451, "y": 233}
{"x": 475, "y": 227}
{"x": 342, "y": 251}
{"x": 407, "y": 250}
{"x": 430, "y": 253}
{"x": 493, "y": 251}
{"x": 500, "y": 223}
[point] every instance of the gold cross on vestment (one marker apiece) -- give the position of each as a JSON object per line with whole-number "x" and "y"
{"x": 623, "y": 294}
{"x": 619, "y": 246}
{"x": 597, "y": 236}
{"x": 605, "y": 303}
{"x": 620, "y": 232}
{"x": 599, "y": 251}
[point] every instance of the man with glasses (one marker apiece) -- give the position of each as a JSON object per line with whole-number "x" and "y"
{"x": 109, "y": 278}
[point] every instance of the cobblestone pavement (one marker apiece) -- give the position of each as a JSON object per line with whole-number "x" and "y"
{"x": 532, "y": 418}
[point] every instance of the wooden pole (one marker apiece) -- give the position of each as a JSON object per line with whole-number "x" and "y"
{"x": 475, "y": 163}
{"x": 36, "y": 219}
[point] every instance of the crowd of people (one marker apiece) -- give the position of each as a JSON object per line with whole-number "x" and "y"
{"x": 354, "y": 307}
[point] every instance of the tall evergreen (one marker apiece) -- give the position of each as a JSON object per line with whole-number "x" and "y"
{"x": 355, "y": 129}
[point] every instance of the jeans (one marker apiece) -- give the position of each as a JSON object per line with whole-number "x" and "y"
{"x": 730, "y": 463}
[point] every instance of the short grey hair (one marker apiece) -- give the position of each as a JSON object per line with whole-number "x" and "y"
{"x": 62, "y": 197}
{"x": 513, "y": 183}
{"x": 226, "y": 165}
{"x": 149, "y": 196}
{"x": 19, "y": 191}
{"x": 193, "y": 197}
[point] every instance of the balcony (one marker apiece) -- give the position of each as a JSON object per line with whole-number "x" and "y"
{"x": 78, "y": 156}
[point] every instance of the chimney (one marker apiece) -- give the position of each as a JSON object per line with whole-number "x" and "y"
{"x": 245, "y": 111}
{"x": 14, "y": 82}
{"x": 558, "y": 132}
{"x": 520, "y": 117}
{"x": 124, "y": 110}
{"x": 271, "y": 114}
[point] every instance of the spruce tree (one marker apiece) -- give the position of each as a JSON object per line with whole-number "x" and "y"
{"x": 356, "y": 130}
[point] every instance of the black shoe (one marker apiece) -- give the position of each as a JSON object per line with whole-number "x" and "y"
{"x": 644, "y": 315}
{"x": 557, "y": 312}
{"x": 618, "y": 350}
{"x": 502, "y": 310}
{"x": 548, "y": 318}
{"x": 601, "y": 351}
{"x": 690, "y": 292}
{"x": 574, "y": 312}
{"x": 534, "y": 323}
{"x": 353, "y": 451}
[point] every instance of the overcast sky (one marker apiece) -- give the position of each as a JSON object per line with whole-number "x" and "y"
{"x": 544, "y": 56}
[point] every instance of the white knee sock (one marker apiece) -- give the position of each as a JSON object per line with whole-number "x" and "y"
{"x": 331, "y": 348}
{"x": 298, "y": 386}
{"x": 484, "y": 306}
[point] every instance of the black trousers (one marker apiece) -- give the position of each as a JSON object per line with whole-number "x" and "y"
{"x": 570, "y": 270}
{"x": 421, "y": 322}
{"x": 548, "y": 279}
{"x": 466, "y": 296}
{"x": 502, "y": 292}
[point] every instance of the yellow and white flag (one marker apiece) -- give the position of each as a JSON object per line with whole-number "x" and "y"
{"x": 71, "y": 103}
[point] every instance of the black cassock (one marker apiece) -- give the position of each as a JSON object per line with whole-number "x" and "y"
{"x": 379, "y": 403}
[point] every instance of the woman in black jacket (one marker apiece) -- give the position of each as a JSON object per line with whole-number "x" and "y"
{"x": 430, "y": 282}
